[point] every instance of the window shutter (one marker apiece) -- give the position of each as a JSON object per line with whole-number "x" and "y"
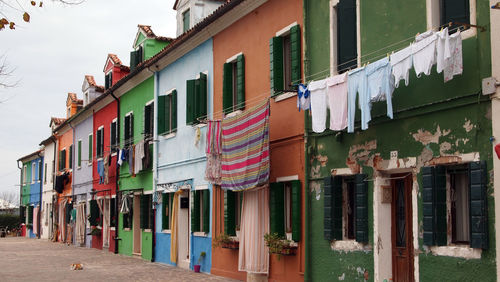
{"x": 440, "y": 220}
{"x": 63, "y": 159}
{"x": 106, "y": 78}
{"x": 60, "y": 163}
{"x": 206, "y": 211}
{"x": 277, "y": 208}
{"x": 165, "y": 210}
{"x": 296, "y": 210}
{"x": 428, "y": 209}
{"x": 150, "y": 211}
{"x": 229, "y": 213}
{"x": 70, "y": 157}
{"x": 190, "y": 101}
{"x": 102, "y": 141}
{"x": 227, "y": 88}
{"x": 361, "y": 203}
{"x": 133, "y": 62}
{"x": 112, "y": 209}
{"x": 113, "y": 134}
{"x": 140, "y": 55}
{"x": 328, "y": 209}
{"x": 337, "y": 207}
{"x": 145, "y": 119}
{"x": 30, "y": 214}
{"x": 173, "y": 109}
{"x": 455, "y": 11}
{"x": 144, "y": 212}
{"x": 22, "y": 210}
{"x": 240, "y": 82}
{"x": 295, "y": 43}
{"x": 94, "y": 213}
{"x": 347, "y": 50}
{"x": 98, "y": 143}
{"x": 434, "y": 205}
{"x": 195, "y": 212}
{"x": 478, "y": 210}
{"x": 163, "y": 112}
{"x": 201, "y": 100}
{"x": 79, "y": 153}
{"x": 131, "y": 129}
{"x": 276, "y": 55}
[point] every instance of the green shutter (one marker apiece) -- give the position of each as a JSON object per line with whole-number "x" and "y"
{"x": 94, "y": 213}
{"x": 229, "y": 213}
{"x": 190, "y": 101}
{"x": 195, "y": 212}
{"x": 337, "y": 197}
{"x": 295, "y": 43}
{"x": 361, "y": 203}
{"x": 276, "y": 55}
{"x": 197, "y": 98}
{"x": 347, "y": 50}
{"x": 163, "y": 112}
{"x": 240, "y": 82}
{"x": 145, "y": 118}
{"x": 126, "y": 131}
{"x": 60, "y": 161}
{"x": 206, "y": 211}
{"x": 328, "y": 209}
{"x": 113, "y": 135}
{"x": 133, "y": 62}
{"x": 440, "y": 220}
{"x": 98, "y": 143}
{"x": 64, "y": 159}
{"x": 90, "y": 148}
{"x": 22, "y": 210}
{"x": 296, "y": 210}
{"x": 202, "y": 98}
{"x": 478, "y": 211}
{"x": 150, "y": 211}
{"x": 173, "y": 109}
{"x": 227, "y": 88}
{"x": 131, "y": 129}
{"x": 434, "y": 205}
{"x": 277, "y": 208}
{"x": 79, "y": 153}
{"x": 144, "y": 212}
{"x": 30, "y": 214}
{"x": 70, "y": 157}
{"x": 165, "y": 211}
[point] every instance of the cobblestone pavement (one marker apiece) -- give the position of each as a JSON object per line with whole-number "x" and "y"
{"x": 23, "y": 259}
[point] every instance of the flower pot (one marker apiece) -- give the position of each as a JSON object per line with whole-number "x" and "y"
{"x": 234, "y": 245}
{"x": 197, "y": 268}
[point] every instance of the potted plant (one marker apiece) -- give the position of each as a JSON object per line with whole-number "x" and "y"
{"x": 225, "y": 241}
{"x": 200, "y": 258}
{"x": 279, "y": 245}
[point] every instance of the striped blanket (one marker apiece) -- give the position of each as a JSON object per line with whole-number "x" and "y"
{"x": 245, "y": 149}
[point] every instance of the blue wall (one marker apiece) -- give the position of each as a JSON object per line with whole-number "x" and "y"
{"x": 36, "y": 187}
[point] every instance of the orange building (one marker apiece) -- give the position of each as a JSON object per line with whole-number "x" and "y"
{"x": 256, "y": 58}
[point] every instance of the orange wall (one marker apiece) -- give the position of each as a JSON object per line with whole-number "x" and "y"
{"x": 65, "y": 140}
{"x": 250, "y": 35}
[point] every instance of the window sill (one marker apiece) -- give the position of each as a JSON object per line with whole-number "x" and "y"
{"x": 460, "y": 251}
{"x": 347, "y": 246}
{"x": 126, "y": 229}
{"x": 284, "y": 96}
{"x": 166, "y": 231}
{"x": 200, "y": 234}
{"x": 147, "y": 230}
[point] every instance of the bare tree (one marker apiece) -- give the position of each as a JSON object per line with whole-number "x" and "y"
{"x": 10, "y": 197}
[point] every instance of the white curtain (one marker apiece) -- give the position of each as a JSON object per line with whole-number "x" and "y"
{"x": 105, "y": 224}
{"x": 80, "y": 223}
{"x": 253, "y": 253}
{"x": 62, "y": 221}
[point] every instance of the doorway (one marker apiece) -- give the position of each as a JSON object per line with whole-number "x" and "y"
{"x": 137, "y": 225}
{"x": 183, "y": 230}
{"x": 402, "y": 232}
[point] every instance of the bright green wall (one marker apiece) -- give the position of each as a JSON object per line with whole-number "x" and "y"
{"x": 147, "y": 245}
{"x": 26, "y": 190}
{"x": 125, "y": 244}
{"x": 152, "y": 47}
{"x": 425, "y": 104}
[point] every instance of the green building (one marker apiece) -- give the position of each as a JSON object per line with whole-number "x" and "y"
{"x": 409, "y": 198}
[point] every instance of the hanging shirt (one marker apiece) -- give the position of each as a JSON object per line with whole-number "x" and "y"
{"x": 139, "y": 155}
{"x": 120, "y": 155}
{"x": 442, "y": 49}
{"x": 337, "y": 101}
{"x": 303, "y": 97}
{"x": 381, "y": 83}
{"x": 454, "y": 64}
{"x": 357, "y": 84}
{"x": 424, "y": 52}
{"x": 318, "y": 105}
{"x": 401, "y": 63}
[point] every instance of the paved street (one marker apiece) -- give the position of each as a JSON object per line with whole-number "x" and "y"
{"x": 24, "y": 259}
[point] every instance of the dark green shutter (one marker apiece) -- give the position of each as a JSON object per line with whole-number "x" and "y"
{"x": 295, "y": 43}
{"x": 296, "y": 210}
{"x": 195, "y": 212}
{"x": 60, "y": 160}
{"x": 126, "y": 131}
{"x": 455, "y": 11}
{"x": 202, "y": 98}
{"x": 94, "y": 213}
{"x": 102, "y": 141}
{"x": 22, "y": 210}
{"x": 361, "y": 203}
{"x": 70, "y": 157}
{"x": 190, "y": 101}
{"x": 173, "y": 109}
{"x": 30, "y": 214}
{"x": 240, "y": 82}
{"x": 133, "y": 63}
{"x": 434, "y": 205}
{"x": 79, "y": 153}
{"x": 90, "y": 148}
{"x": 347, "y": 50}
{"x": 165, "y": 211}
{"x": 150, "y": 211}
{"x": 113, "y": 135}
{"x": 106, "y": 77}
{"x": 229, "y": 213}
{"x": 276, "y": 55}
{"x": 144, "y": 212}
{"x": 277, "y": 208}
{"x": 98, "y": 143}
{"x": 440, "y": 220}
{"x": 163, "y": 112}
{"x": 206, "y": 211}
{"x": 227, "y": 88}
{"x": 63, "y": 159}
{"x": 131, "y": 128}
{"x": 328, "y": 208}
{"x": 478, "y": 205}
{"x": 197, "y": 98}
{"x": 145, "y": 117}
{"x": 337, "y": 195}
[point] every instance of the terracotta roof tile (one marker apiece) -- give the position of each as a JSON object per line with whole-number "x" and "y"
{"x": 90, "y": 79}
{"x": 115, "y": 59}
{"x": 57, "y": 121}
{"x": 150, "y": 34}
{"x": 73, "y": 97}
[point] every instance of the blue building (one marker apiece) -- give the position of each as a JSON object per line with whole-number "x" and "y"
{"x": 31, "y": 187}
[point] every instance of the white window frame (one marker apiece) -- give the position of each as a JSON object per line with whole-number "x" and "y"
{"x": 33, "y": 172}
{"x": 433, "y": 15}
{"x": 288, "y": 201}
{"x": 333, "y": 36}
{"x": 200, "y": 233}
{"x": 102, "y": 146}
{"x": 282, "y": 33}
{"x": 115, "y": 121}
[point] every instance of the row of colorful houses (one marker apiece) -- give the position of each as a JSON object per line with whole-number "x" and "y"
{"x": 406, "y": 196}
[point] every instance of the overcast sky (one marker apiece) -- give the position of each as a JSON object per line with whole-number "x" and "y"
{"x": 51, "y": 55}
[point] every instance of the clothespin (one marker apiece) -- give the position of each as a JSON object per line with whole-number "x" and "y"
{"x": 449, "y": 24}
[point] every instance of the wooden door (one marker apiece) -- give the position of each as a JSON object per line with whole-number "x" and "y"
{"x": 402, "y": 235}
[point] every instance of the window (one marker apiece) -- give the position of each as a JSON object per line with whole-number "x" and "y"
{"x": 442, "y": 12}
{"x": 95, "y": 214}
{"x": 79, "y": 159}
{"x": 346, "y": 208}
{"x": 455, "y": 205}
{"x": 129, "y": 129}
{"x": 25, "y": 174}
{"x": 62, "y": 159}
{"x": 196, "y": 104}
{"x": 86, "y": 98}
{"x": 45, "y": 175}
{"x": 147, "y": 215}
{"x": 112, "y": 210}
{"x": 285, "y": 53}
{"x": 108, "y": 80}
{"x": 233, "y": 92}
{"x": 40, "y": 171}
{"x": 284, "y": 208}
{"x": 200, "y": 213}
{"x": 148, "y": 120}
{"x": 344, "y": 36}
{"x": 91, "y": 141}
{"x": 128, "y": 217}
{"x": 99, "y": 142}
{"x": 30, "y": 215}
{"x": 185, "y": 21}
{"x": 167, "y": 203}
{"x": 167, "y": 113}
{"x": 232, "y": 212}
{"x": 114, "y": 136}
{"x": 136, "y": 58}
{"x": 33, "y": 169}
{"x": 70, "y": 156}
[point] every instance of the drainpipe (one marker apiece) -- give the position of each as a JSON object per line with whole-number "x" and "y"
{"x": 155, "y": 158}
{"x": 51, "y": 225}
{"x": 40, "y": 198}
{"x": 117, "y": 173}
{"x": 307, "y": 224}
{"x": 72, "y": 174}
